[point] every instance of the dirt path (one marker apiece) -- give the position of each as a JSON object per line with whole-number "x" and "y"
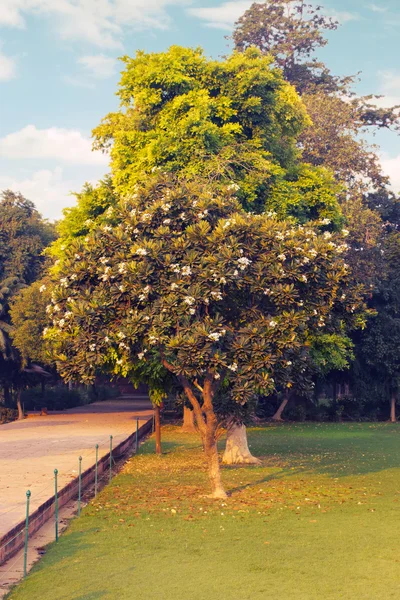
{"x": 30, "y": 450}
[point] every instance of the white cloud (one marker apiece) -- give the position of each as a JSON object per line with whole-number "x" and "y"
{"x": 389, "y": 87}
{"x": 223, "y": 16}
{"x": 54, "y": 143}
{"x": 343, "y": 16}
{"x": 226, "y": 14}
{"x": 391, "y": 167}
{"x": 99, "y": 66}
{"x": 99, "y": 22}
{"x": 7, "y": 67}
{"x": 376, "y": 8}
{"x": 45, "y": 188}
{"x": 78, "y": 82}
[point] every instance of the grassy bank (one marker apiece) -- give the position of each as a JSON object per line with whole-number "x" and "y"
{"x": 319, "y": 519}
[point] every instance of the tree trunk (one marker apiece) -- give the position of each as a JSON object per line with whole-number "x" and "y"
{"x": 278, "y": 415}
{"x": 214, "y": 471}
{"x": 7, "y": 394}
{"x": 19, "y": 406}
{"x": 157, "y": 425}
{"x": 393, "y": 408}
{"x": 188, "y": 421}
{"x": 237, "y": 450}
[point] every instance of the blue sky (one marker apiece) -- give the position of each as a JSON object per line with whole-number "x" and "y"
{"x": 59, "y": 73}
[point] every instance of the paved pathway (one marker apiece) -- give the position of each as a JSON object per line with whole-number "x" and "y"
{"x": 30, "y": 450}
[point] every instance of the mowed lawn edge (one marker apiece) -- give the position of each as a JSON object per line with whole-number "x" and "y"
{"x": 318, "y": 518}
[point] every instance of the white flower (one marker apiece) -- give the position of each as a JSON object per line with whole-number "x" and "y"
{"x": 203, "y": 214}
{"x": 121, "y": 288}
{"x": 141, "y": 355}
{"x": 233, "y": 367}
{"x": 45, "y": 331}
{"x": 166, "y": 221}
{"x": 325, "y": 222}
{"x": 92, "y": 347}
{"x": 141, "y": 251}
{"x": 78, "y": 256}
{"x": 87, "y": 238}
{"x": 222, "y": 280}
{"x": 146, "y": 217}
{"x": 109, "y": 211}
{"x": 64, "y": 282}
{"x": 174, "y": 286}
{"x": 136, "y": 231}
{"x": 107, "y": 339}
{"x": 61, "y": 323}
{"x": 288, "y": 363}
{"x": 176, "y": 268}
{"x": 42, "y": 288}
{"x": 233, "y": 187}
{"x": 182, "y": 216}
{"x": 304, "y": 278}
{"x": 282, "y": 257}
{"x": 56, "y": 308}
{"x": 235, "y": 273}
{"x": 214, "y": 336}
{"x": 68, "y": 314}
{"x": 192, "y": 311}
{"x": 306, "y": 260}
{"x": 217, "y": 376}
{"x": 216, "y": 295}
{"x": 107, "y": 228}
{"x": 49, "y": 308}
{"x": 166, "y": 207}
{"x": 267, "y": 292}
{"x": 103, "y": 260}
{"x": 345, "y": 232}
{"x": 186, "y": 271}
{"x": 243, "y": 262}
{"x": 189, "y": 300}
{"x": 272, "y": 323}
{"x": 327, "y": 235}
{"x": 122, "y": 268}
{"x": 121, "y": 335}
{"x": 152, "y": 339}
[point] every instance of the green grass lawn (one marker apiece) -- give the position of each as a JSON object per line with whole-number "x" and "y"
{"x": 318, "y": 520}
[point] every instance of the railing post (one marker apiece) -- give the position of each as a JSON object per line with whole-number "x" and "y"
{"x": 28, "y": 496}
{"x": 111, "y": 458}
{"x": 96, "y": 470}
{"x": 79, "y": 485}
{"x": 56, "y": 501}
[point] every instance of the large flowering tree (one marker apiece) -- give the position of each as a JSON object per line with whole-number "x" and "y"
{"x": 183, "y": 277}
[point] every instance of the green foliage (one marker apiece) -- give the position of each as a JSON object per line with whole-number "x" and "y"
{"x": 29, "y": 320}
{"x": 236, "y": 120}
{"x": 59, "y": 397}
{"x": 184, "y": 277}
{"x": 7, "y": 415}
{"x": 331, "y": 352}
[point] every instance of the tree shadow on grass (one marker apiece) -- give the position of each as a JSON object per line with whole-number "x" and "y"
{"x": 336, "y": 450}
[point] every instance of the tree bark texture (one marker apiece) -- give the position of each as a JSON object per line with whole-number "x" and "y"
{"x": 237, "y": 449}
{"x": 19, "y": 406}
{"x": 278, "y": 415}
{"x": 393, "y": 408}
{"x": 157, "y": 426}
{"x": 188, "y": 421}
{"x": 7, "y": 394}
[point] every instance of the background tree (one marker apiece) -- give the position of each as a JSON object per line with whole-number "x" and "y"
{"x": 24, "y": 234}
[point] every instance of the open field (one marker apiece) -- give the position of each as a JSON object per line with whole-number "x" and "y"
{"x": 319, "y": 519}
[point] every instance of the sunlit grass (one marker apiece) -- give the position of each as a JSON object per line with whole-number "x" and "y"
{"x": 318, "y": 519}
